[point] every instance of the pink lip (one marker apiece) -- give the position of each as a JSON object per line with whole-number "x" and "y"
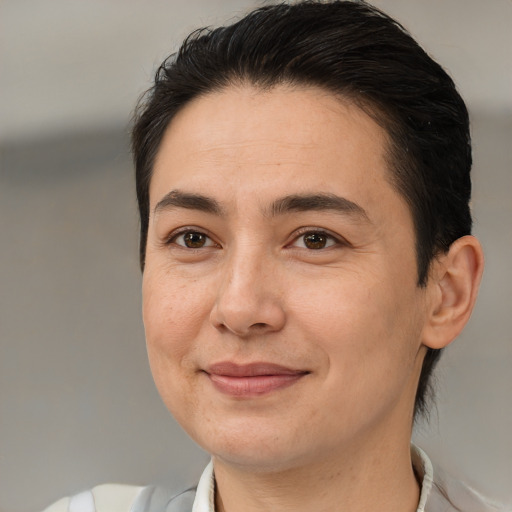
{"x": 251, "y": 379}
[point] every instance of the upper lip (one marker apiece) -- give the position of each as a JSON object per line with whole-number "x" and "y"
{"x": 230, "y": 369}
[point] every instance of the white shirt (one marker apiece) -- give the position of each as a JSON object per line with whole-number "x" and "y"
{"x": 442, "y": 494}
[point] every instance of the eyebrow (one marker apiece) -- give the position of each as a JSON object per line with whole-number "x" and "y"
{"x": 179, "y": 199}
{"x": 317, "y": 202}
{"x": 281, "y": 206}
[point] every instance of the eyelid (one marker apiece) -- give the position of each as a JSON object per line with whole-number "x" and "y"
{"x": 340, "y": 241}
{"x": 171, "y": 237}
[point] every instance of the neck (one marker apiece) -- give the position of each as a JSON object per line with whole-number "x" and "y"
{"x": 369, "y": 477}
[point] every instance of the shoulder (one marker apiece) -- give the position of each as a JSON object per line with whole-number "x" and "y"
{"x": 126, "y": 498}
{"x": 103, "y": 498}
{"x": 151, "y": 498}
{"x": 441, "y": 492}
{"x": 449, "y": 494}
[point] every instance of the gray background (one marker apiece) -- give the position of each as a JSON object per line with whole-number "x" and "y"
{"x": 77, "y": 403}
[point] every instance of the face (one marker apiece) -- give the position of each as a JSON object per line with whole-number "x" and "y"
{"x": 280, "y": 303}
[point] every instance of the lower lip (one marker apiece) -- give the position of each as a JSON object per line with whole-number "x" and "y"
{"x": 253, "y": 386}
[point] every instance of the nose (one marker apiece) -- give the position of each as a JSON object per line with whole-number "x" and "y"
{"x": 248, "y": 301}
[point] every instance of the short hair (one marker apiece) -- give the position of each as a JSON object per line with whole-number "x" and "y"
{"x": 361, "y": 55}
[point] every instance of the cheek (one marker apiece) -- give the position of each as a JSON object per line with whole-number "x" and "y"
{"x": 174, "y": 312}
{"x": 368, "y": 338}
{"x": 365, "y": 325}
{"x": 172, "y": 320}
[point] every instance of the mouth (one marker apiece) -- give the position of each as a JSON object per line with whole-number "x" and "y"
{"x": 253, "y": 379}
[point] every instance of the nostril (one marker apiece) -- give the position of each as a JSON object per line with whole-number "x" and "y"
{"x": 259, "y": 325}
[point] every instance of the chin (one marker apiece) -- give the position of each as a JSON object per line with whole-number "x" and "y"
{"x": 258, "y": 460}
{"x": 259, "y": 448}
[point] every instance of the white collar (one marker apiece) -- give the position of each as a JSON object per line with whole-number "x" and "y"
{"x": 425, "y": 472}
{"x": 205, "y": 494}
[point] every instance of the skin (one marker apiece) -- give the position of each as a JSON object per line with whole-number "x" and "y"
{"x": 348, "y": 315}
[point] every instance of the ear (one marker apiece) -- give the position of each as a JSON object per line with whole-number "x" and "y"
{"x": 452, "y": 290}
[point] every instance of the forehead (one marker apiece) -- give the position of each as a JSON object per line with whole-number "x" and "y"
{"x": 244, "y": 142}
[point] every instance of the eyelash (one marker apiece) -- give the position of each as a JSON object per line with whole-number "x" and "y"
{"x": 171, "y": 240}
{"x": 317, "y": 231}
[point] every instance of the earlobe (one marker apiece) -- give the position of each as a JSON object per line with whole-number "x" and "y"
{"x": 452, "y": 289}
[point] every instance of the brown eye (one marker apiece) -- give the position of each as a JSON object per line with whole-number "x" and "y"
{"x": 194, "y": 240}
{"x": 315, "y": 240}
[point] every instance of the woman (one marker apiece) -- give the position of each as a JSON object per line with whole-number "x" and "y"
{"x": 303, "y": 186}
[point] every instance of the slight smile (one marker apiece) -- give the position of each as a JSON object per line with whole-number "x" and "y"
{"x": 253, "y": 379}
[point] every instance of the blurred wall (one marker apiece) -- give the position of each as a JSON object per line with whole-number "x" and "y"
{"x": 77, "y": 403}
